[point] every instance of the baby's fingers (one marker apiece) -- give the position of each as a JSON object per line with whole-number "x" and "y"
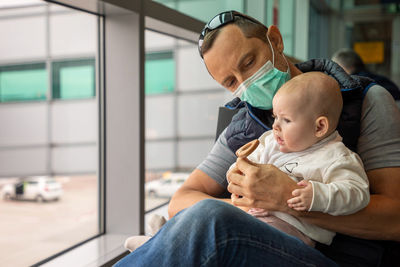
{"x": 294, "y": 200}
{"x": 303, "y": 183}
{"x": 297, "y": 192}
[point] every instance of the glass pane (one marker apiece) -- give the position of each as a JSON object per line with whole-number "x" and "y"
{"x": 180, "y": 118}
{"x": 48, "y": 149}
{"x": 23, "y": 82}
{"x": 196, "y": 76}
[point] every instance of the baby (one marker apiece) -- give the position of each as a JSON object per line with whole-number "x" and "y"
{"x": 304, "y": 144}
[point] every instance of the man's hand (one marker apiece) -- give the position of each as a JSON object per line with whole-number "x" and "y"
{"x": 259, "y": 186}
{"x": 302, "y": 197}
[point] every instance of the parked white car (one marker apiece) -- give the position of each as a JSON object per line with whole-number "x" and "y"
{"x": 40, "y": 188}
{"x": 166, "y": 186}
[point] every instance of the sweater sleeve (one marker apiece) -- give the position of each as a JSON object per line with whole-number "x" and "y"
{"x": 344, "y": 189}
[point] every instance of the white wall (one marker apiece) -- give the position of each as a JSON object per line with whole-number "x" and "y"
{"x": 28, "y": 38}
{"x": 74, "y": 121}
{"x": 23, "y": 124}
{"x": 72, "y": 34}
{"x": 27, "y": 137}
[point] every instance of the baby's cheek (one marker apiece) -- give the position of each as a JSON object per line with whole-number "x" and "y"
{"x": 284, "y": 149}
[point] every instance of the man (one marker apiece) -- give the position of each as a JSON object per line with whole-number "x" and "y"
{"x": 352, "y": 63}
{"x": 247, "y": 58}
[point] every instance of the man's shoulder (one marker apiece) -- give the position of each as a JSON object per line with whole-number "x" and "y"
{"x": 379, "y": 140}
{"x": 378, "y": 108}
{"x": 377, "y": 96}
{"x": 376, "y": 91}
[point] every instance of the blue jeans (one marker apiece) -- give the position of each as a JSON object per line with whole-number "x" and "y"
{"x": 214, "y": 233}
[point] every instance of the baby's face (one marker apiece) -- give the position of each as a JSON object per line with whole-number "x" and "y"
{"x": 294, "y": 125}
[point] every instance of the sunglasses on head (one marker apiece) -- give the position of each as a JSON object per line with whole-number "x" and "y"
{"x": 220, "y": 20}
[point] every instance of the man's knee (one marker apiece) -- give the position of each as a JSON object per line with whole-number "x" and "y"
{"x": 211, "y": 207}
{"x": 211, "y": 211}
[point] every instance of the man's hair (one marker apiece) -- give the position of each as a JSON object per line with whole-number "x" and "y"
{"x": 249, "y": 29}
{"x": 349, "y": 59}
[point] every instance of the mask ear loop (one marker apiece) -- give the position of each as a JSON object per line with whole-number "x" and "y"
{"x": 273, "y": 56}
{"x": 272, "y": 50}
{"x": 287, "y": 63}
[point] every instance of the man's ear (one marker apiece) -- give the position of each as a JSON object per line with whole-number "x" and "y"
{"x": 321, "y": 126}
{"x": 275, "y": 37}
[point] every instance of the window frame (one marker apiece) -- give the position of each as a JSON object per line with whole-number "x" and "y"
{"x": 121, "y": 96}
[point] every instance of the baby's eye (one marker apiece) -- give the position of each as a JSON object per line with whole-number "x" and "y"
{"x": 286, "y": 120}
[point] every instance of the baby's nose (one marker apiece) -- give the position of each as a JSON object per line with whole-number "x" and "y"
{"x": 275, "y": 126}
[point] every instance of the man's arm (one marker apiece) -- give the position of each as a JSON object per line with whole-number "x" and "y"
{"x": 208, "y": 180}
{"x": 198, "y": 186}
{"x": 379, "y": 220}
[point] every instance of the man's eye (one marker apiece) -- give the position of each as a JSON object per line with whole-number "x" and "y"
{"x": 249, "y": 63}
{"x": 231, "y": 83}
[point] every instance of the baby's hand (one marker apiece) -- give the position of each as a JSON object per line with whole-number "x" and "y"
{"x": 302, "y": 197}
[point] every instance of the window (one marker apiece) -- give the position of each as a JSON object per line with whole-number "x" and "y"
{"x": 160, "y": 73}
{"x": 74, "y": 79}
{"x": 49, "y": 185}
{"x": 23, "y": 82}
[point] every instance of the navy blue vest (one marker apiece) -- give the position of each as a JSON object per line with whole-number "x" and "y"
{"x": 250, "y": 122}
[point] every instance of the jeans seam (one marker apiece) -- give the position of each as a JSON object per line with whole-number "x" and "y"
{"x": 274, "y": 250}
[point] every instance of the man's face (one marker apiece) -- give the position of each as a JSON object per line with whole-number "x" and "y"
{"x": 233, "y": 57}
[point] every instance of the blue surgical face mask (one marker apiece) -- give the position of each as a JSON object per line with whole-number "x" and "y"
{"x": 260, "y": 88}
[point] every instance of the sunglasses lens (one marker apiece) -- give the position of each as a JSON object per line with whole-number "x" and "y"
{"x": 219, "y": 20}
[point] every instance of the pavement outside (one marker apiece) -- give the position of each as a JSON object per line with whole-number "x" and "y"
{"x": 31, "y": 231}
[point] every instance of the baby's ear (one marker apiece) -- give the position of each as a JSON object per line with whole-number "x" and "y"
{"x": 321, "y": 126}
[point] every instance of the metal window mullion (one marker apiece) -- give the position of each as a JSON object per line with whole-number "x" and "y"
{"x": 124, "y": 113}
{"x": 176, "y": 108}
{"x": 49, "y": 94}
{"x": 101, "y": 142}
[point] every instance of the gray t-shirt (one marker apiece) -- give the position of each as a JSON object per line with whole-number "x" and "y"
{"x": 378, "y": 144}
